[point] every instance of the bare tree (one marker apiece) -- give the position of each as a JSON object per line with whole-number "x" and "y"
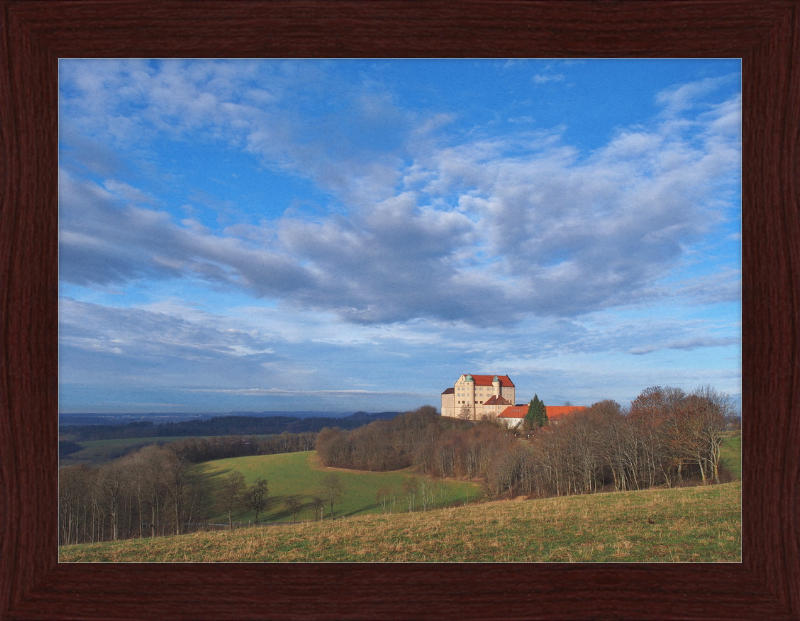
{"x": 294, "y": 505}
{"x": 257, "y": 496}
{"x": 318, "y": 503}
{"x": 410, "y": 489}
{"x": 230, "y": 496}
{"x": 718, "y": 408}
{"x": 152, "y": 459}
{"x": 430, "y": 492}
{"x": 332, "y": 489}
{"x": 111, "y": 482}
{"x": 175, "y": 480}
{"x": 385, "y": 497}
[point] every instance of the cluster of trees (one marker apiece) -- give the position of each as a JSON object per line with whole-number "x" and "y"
{"x": 147, "y": 493}
{"x": 234, "y": 493}
{"x": 331, "y": 491}
{"x": 667, "y": 437}
{"x": 435, "y": 445}
{"x": 197, "y": 450}
{"x": 414, "y": 494}
{"x": 151, "y": 493}
{"x": 384, "y": 445}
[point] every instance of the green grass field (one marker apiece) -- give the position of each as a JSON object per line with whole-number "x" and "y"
{"x": 693, "y": 524}
{"x": 300, "y": 475}
{"x": 731, "y": 454}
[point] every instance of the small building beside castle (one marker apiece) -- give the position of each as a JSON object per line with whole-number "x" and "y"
{"x": 512, "y": 417}
{"x": 476, "y": 396}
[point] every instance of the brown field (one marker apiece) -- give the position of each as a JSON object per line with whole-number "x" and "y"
{"x": 694, "y": 524}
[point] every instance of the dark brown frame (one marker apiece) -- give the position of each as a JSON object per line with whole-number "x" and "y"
{"x": 36, "y": 33}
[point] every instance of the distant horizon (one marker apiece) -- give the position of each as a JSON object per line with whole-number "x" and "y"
{"x": 295, "y": 235}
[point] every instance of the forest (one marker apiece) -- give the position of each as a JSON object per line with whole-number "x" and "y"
{"x": 666, "y": 437}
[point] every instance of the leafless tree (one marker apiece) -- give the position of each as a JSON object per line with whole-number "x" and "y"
{"x": 231, "y": 494}
{"x": 110, "y": 482}
{"x": 333, "y": 489}
{"x": 318, "y": 503}
{"x": 257, "y": 495}
{"x": 294, "y": 505}
{"x": 410, "y": 489}
{"x": 385, "y": 497}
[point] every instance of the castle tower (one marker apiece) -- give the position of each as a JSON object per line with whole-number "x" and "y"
{"x": 496, "y": 386}
{"x": 470, "y": 395}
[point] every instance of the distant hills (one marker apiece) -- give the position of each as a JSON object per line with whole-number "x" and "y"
{"x": 116, "y": 418}
{"x": 82, "y": 428}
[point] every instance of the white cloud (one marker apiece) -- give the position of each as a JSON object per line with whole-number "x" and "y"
{"x": 543, "y": 78}
{"x": 684, "y": 96}
{"x": 688, "y": 345}
{"x": 528, "y": 225}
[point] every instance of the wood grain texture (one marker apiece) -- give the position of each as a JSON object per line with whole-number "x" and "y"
{"x": 36, "y": 33}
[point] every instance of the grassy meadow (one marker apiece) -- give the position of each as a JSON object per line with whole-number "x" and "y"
{"x": 692, "y": 524}
{"x": 301, "y": 474}
{"x": 731, "y": 454}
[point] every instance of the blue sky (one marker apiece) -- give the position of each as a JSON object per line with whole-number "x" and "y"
{"x": 349, "y": 235}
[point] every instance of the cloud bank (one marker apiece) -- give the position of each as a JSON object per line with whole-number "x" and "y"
{"x": 484, "y": 231}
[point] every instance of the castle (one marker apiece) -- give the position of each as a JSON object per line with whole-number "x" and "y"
{"x": 476, "y": 396}
{"x": 492, "y": 396}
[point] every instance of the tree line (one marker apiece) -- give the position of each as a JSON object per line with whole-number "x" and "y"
{"x": 149, "y": 492}
{"x": 384, "y": 445}
{"x": 145, "y": 494}
{"x": 667, "y": 437}
{"x": 197, "y": 450}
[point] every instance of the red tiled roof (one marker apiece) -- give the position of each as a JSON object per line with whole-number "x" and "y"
{"x": 559, "y": 411}
{"x": 553, "y": 411}
{"x": 449, "y": 391}
{"x": 514, "y": 411}
{"x": 497, "y": 400}
{"x": 486, "y": 380}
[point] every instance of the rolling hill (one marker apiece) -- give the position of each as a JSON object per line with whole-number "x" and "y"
{"x": 693, "y": 524}
{"x": 300, "y": 475}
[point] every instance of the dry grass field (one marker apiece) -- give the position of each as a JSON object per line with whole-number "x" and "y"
{"x": 693, "y": 524}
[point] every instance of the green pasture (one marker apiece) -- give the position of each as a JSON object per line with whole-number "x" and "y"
{"x": 300, "y": 475}
{"x": 731, "y": 454}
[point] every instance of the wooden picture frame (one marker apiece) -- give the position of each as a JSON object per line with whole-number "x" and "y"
{"x": 35, "y": 33}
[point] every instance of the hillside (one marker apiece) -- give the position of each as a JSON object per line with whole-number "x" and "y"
{"x": 300, "y": 475}
{"x": 695, "y": 524}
